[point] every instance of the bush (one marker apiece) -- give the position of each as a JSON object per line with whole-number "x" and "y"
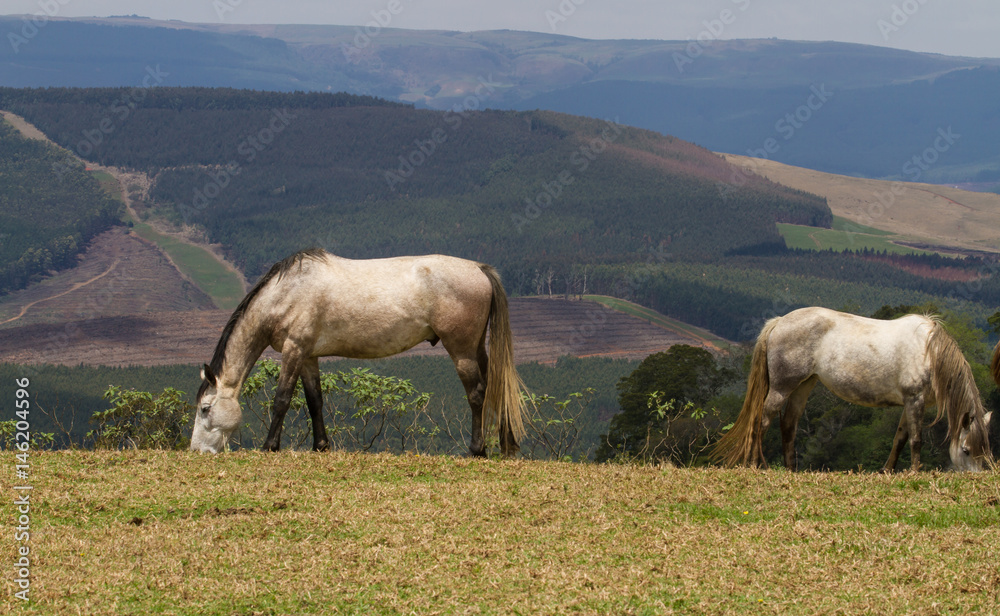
{"x": 140, "y": 420}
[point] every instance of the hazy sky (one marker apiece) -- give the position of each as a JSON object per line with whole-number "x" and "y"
{"x": 953, "y": 27}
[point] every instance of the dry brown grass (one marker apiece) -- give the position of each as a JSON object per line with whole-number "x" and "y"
{"x": 296, "y": 533}
{"x": 923, "y": 213}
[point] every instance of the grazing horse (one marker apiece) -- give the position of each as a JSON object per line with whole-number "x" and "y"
{"x": 909, "y": 362}
{"x": 314, "y": 304}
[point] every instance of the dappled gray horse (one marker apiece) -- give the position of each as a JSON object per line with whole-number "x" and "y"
{"x": 910, "y": 362}
{"x": 314, "y": 304}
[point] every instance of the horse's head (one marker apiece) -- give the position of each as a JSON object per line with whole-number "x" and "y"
{"x": 972, "y": 447}
{"x": 217, "y": 416}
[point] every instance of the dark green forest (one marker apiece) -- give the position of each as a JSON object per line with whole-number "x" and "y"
{"x": 49, "y": 209}
{"x": 269, "y": 174}
{"x": 558, "y": 203}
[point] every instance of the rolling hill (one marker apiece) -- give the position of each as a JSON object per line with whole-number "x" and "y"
{"x": 729, "y": 96}
{"x": 266, "y": 174}
{"x": 561, "y": 204}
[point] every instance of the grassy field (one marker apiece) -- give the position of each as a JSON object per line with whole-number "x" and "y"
{"x": 109, "y": 184}
{"x": 154, "y": 532}
{"x": 222, "y": 285}
{"x": 844, "y": 235}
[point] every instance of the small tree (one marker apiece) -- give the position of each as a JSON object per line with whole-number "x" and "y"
{"x": 555, "y": 426}
{"x": 140, "y": 420}
{"x": 658, "y": 399}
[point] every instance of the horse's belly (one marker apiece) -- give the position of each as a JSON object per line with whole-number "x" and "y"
{"x": 370, "y": 342}
{"x": 864, "y": 388}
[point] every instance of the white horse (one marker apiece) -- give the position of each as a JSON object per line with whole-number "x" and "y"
{"x": 910, "y": 362}
{"x": 314, "y": 304}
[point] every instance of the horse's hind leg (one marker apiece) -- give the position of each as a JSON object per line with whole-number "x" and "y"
{"x": 473, "y": 378}
{"x": 773, "y": 404}
{"x": 790, "y": 420}
{"x": 312, "y": 387}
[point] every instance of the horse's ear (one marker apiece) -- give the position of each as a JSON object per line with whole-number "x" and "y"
{"x": 207, "y": 375}
{"x": 987, "y": 417}
{"x": 966, "y": 421}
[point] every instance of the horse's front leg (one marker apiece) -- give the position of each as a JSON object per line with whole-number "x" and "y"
{"x": 913, "y": 415}
{"x": 313, "y": 389}
{"x": 901, "y": 437}
{"x": 291, "y": 365}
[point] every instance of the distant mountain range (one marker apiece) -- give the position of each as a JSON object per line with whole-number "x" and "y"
{"x": 843, "y": 108}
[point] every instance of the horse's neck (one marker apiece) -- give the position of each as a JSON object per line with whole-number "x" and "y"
{"x": 246, "y": 344}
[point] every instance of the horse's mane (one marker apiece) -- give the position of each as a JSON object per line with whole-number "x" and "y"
{"x": 277, "y": 270}
{"x": 955, "y": 388}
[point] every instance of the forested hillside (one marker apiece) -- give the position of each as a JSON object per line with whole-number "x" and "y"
{"x": 561, "y": 204}
{"x": 268, "y": 174}
{"x": 49, "y": 209}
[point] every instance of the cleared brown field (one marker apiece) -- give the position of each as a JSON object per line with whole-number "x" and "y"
{"x": 118, "y": 274}
{"x": 125, "y": 304}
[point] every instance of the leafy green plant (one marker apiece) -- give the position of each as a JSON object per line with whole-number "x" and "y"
{"x": 362, "y": 410}
{"x": 555, "y": 426}
{"x": 36, "y": 440}
{"x": 141, "y": 420}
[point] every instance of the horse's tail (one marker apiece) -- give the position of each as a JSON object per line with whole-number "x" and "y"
{"x": 742, "y": 444}
{"x": 503, "y": 406}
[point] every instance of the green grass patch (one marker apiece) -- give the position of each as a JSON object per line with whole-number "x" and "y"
{"x": 845, "y": 235}
{"x": 219, "y": 283}
{"x": 109, "y": 184}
